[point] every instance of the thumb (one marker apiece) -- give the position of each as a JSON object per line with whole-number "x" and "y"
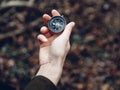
{"x": 68, "y": 29}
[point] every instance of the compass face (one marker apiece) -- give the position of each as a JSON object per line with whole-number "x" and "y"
{"x": 57, "y": 24}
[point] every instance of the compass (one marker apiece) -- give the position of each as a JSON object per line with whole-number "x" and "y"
{"x": 56, "y": 24}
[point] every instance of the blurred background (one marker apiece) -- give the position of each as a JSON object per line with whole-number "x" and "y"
{"x": 93, "y": 62}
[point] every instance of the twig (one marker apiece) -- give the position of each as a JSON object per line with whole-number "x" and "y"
{"x": 16, "y": 3}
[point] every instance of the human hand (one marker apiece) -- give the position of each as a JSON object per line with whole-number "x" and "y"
{"x": 53, "y": 49}
{"x": 54, "y": 46}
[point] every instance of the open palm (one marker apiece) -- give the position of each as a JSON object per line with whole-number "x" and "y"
{"x": 54, "y": 47}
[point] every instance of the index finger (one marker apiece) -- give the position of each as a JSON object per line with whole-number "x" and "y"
{"x": 47, "y": 17}
{"x": 55, "y": 13}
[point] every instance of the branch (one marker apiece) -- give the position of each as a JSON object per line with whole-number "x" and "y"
{"x": 16, "y": 3}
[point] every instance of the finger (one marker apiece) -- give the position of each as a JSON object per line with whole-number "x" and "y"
{"x": 44, "y": 30}
{"x": 42, "y": 38}
{"x": 68, "y": 29}
{"x": 55, "y": 13}
{"x": 46, "y": 18}
{"x": 48, "y": 34}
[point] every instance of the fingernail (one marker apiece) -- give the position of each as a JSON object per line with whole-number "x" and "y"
{"x": 73, "y": 23}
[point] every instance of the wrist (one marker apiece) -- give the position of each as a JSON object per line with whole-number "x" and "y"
{"x": 50, "y": 71}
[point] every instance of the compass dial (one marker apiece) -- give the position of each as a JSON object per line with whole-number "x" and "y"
{"x": 57, "y": 24}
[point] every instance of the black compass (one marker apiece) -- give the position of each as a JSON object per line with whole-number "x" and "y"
{"x": 57, "y": 24}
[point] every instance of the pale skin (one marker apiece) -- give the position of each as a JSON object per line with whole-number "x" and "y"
{"x": 53, "y": 49}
